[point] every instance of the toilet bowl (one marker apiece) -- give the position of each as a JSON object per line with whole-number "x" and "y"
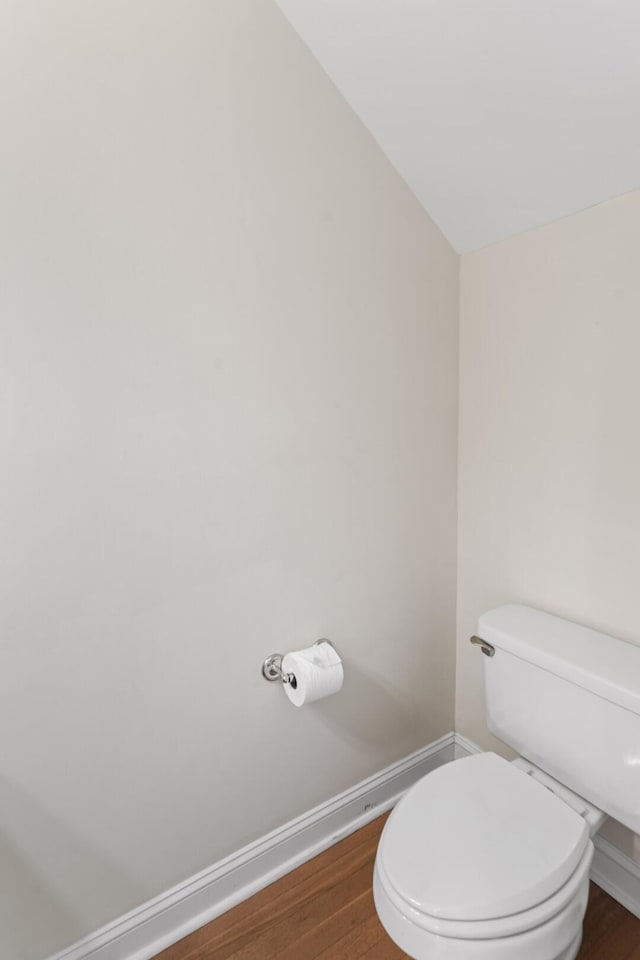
{"x": 484, "y": 859}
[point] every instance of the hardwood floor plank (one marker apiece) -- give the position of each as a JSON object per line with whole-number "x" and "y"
{"x": 349, "y": 927}
{"x": 276, "y": 937}
{"x": 634, "y": 955}
{"x": 359, "y": 942}
{"x": 609, "y": 931}
{"x": 385, "y": 949}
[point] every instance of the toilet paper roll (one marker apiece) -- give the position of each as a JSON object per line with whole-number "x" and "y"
{"x": 318, "y": 672}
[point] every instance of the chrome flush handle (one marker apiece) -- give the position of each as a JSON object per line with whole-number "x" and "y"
{"x": 486, "y": 648}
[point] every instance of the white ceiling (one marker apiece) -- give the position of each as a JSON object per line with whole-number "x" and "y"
{"x": 501, "y": 115}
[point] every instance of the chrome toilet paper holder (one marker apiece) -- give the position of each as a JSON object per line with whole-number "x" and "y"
{"x": 272, "y": 666}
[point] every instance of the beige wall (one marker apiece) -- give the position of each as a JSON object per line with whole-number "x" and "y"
{"x": 228, "y": 389}
{"x": 228, "y": 402}
{"x": 549, "y": 449}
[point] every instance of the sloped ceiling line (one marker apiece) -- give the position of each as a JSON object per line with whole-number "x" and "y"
{"x": 501, "y": 115}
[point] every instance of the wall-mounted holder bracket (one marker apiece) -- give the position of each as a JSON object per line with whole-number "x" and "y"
{"x": 272, "y": 667}
{"x": 272, "y": 670}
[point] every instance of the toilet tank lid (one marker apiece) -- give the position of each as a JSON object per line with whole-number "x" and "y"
{"x": 595, "y": 661}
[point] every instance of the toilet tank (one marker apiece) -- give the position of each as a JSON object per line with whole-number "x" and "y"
{"x": 568, "y": 699}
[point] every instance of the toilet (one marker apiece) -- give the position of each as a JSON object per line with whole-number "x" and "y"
{"x": 486, "y": 859}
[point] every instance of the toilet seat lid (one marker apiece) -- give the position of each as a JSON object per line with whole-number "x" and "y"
{"x": 478, "y": 839}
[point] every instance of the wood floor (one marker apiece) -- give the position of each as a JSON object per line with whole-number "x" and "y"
{"x": 324, "y": 911}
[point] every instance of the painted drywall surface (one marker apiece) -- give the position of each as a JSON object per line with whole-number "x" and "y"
{"x": 549, "y": 450}
{"x": 228, "y": 413}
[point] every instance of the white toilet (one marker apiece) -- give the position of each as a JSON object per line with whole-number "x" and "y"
{"x": 489, "y": 860}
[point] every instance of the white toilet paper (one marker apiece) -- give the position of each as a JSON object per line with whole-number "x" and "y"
{"x": 318, "y": 672}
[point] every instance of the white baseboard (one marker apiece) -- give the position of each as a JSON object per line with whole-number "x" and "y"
{"x": 613, "y": 870}
{"x": 144, "y": 932}
{"x": 463, "y": 747}
{"x": 617, "y": 874}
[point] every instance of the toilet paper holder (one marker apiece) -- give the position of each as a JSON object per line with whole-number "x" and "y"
{"x": 272, "y": 666}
